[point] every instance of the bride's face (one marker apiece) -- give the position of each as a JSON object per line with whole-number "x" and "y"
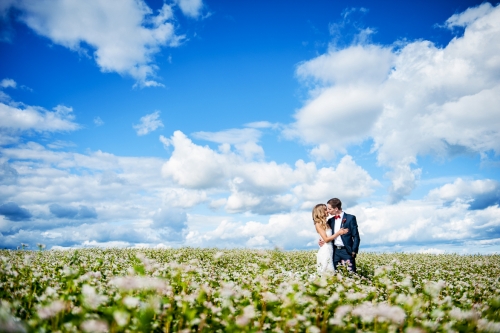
{"x": 330, "y": 210}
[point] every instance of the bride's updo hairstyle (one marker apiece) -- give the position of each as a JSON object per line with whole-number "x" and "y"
{"x": 319, "y": 215}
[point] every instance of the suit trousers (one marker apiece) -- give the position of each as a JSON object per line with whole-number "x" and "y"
{"x": 340, "y": 255}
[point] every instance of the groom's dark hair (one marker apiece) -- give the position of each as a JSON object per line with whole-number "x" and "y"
{"x": 334, "y": 202}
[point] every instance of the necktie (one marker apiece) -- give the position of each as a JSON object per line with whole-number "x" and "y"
{"x": 336, "y": 217}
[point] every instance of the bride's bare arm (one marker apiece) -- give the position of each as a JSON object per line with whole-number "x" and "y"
{"x": 322, "y": 233}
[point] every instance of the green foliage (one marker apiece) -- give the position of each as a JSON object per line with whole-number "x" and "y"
{"x": 210, "y": 290}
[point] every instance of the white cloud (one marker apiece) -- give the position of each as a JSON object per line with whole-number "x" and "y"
{"x": 262, "y": 124}
{"x": 348, "y": 181}
{"x": 338, "y": 116}
{"x": 231, "y": 136}
{"x": 148, "y": 123}
{"x": 18, "y": 119}
{"x": 478, "y": 194}
{"x": 8, "y": 175}
{"x": 355, "y": 64}
{"x": 165, "y": 141}
{"x": 427, "y": 225}
{"x": 323, "y": 152}
{"x": 403, "y": 179}
{"x": 425, "y": 222}
{"x": 287, "y": 231}
{"x": 191, "y": 8}
{"x": 431, "y": 250}
{"x": 413, "y": 101}
{"x": 469, "y": 16}
{"x": 183, "y": 198}
{"x": 98, "y": 121}
{"x": 60, "y": 144}
{"x": 244, "y": 140}
{"x": 135, "y": 209}
{"x": 193, "y": 166}
{"x": 8, "y": 83}
{"x": 124, "y": 36}
{"x": 54, "y": 197}
{"x": 172, "y": 218}
{"x": 256, "y": 186}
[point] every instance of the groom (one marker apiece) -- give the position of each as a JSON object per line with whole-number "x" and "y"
{"x": 346, "y": 246}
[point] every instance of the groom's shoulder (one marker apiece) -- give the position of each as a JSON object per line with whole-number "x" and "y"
{"x": 347, "y": 215}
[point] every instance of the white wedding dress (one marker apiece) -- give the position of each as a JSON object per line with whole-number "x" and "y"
{"x": 324, "y": 260}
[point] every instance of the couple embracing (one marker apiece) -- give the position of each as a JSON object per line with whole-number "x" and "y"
{"x": 339, "y": 242}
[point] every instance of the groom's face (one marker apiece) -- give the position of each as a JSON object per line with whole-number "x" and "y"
{"x": 330, "y": 210}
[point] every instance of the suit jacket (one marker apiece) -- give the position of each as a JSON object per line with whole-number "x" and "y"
{"x": 351, "y": 239}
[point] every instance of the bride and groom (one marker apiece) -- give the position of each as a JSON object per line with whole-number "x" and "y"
{"x": 339, "y": 242}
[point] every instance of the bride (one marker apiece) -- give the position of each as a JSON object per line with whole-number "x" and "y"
{"x": 324, "y": 261}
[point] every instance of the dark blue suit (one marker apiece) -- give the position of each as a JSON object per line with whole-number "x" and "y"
{"x": 351, "y": 240}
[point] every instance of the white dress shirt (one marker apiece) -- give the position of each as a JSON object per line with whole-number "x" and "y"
{"x": 338, "y": 222}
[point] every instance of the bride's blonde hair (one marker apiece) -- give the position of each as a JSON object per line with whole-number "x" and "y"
{"x": 319, "y": 215}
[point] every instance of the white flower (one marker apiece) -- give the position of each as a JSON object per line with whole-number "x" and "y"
{"x": 355, "y": 296}
{"x": 458, "y": 314}
{"x": 91, "y": 298}
{"x": 121, "y": 317}
{"x": 94, "y": 326}
{"x": 334, "y": 298}
{"x": 51, "y": 310}
{"x": 131, "y": 302}
{"x": 50, "y": 291}
{"x": 139, "y": 282}
{"x": 269, "y": 297}
{"x": 313, "y": 329}
{"x": 340, "y": 312}
{"x": 242, "y": 321}
{"x": 248, "y": 313}
{"x": 434, "y": 288}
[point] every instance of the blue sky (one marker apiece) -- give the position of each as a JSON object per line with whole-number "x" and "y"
{"x": 205, "y": 123}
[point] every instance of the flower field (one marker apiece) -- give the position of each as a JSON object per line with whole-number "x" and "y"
{"x": 209, "y": 290}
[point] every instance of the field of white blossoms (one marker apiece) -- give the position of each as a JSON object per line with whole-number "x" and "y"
{"x": 209, "y": 290}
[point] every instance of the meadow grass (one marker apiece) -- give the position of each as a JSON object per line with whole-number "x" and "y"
{"x": 241, "y": 290}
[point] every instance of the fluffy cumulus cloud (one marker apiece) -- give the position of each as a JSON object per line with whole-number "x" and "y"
{"x": 287, "y": 231}
{"x": 429, "y": 222}
{"x": 191, "y": 8}
{"x": 65, "y": 199}
{"x": 348, "y": 181}
{"x": 123, "y": 37}
{"x": 53, "y": 197}
{"x": 19, "y": 118}
{"x": 8, "y": 83}
{"x": 243, "y": 139}
{"x": 478, "y": 194}
{"x": 148, "y": 123}
{"x": 414, "y": 100}
{"x": 24, "y": 118}
{"x": 429, "y": 225}
{"x": 258, "y": 186}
